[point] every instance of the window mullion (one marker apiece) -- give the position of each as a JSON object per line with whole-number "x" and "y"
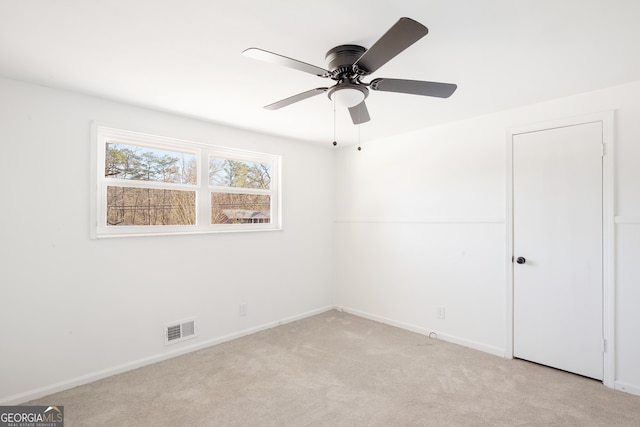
{"x": 203, "y": 197}
{"x": 114, "y": 182}
{"x": 239, "y": 190}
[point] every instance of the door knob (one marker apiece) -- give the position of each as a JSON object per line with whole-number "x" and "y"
{"x": 521, "y": 260}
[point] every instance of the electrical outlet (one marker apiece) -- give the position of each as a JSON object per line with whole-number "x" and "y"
{"x": 440, "y": 313}
{"x": 243, "y": 309}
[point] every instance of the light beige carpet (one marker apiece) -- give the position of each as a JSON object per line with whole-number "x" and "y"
{"x": 336, "y": 369}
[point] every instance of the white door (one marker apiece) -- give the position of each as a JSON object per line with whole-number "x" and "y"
{"x": 557, "y": 246}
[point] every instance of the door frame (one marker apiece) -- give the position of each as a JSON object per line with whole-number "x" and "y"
{"x": 608, "y": 227}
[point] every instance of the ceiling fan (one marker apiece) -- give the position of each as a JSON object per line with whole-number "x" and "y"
{"x": 348, "y": 64}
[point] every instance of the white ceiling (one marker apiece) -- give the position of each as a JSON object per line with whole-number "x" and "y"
{"x": 184, "y": 56}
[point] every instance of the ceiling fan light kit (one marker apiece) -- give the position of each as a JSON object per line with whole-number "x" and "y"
{"x": 348, "y": 95}
{"x": 349, "y": 64}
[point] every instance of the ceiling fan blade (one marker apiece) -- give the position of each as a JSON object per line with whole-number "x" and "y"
{"x": 414, "y": 87}
{"x": 295, "y": 98}
{"x": 359, "y": 113}
{"x": 274, "y": 58}
{"x": 400, "y": 36}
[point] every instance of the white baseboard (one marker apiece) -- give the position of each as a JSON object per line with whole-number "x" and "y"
{"x": 420, "y": 330}
{"x": 98, "y": 375}
{"x": 627, "y": 388}
{"x": 94, "y": 376}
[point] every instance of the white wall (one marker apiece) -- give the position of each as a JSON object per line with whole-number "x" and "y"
{"x": 420, "y": 224}
{"x": 75, "y": 309}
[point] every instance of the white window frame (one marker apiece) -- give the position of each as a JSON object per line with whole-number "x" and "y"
{"x": 102, "y": 134}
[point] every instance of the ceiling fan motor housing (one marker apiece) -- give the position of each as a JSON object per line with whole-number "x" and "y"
{"x": 341, "y": 58}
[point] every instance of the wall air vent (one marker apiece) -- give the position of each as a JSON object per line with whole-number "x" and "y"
{"x": 179, "y": 331}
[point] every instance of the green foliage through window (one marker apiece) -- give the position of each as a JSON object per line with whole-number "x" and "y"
{"x": 148, "y": 164}
{"x": 239, "y": 174}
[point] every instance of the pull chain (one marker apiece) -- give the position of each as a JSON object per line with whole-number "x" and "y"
{"x": 334, "y": 123}
{"x": 359, "y": 124}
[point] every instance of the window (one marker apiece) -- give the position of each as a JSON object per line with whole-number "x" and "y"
{"x": 148, "y": 184}
{"x": 240, "y": 191}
